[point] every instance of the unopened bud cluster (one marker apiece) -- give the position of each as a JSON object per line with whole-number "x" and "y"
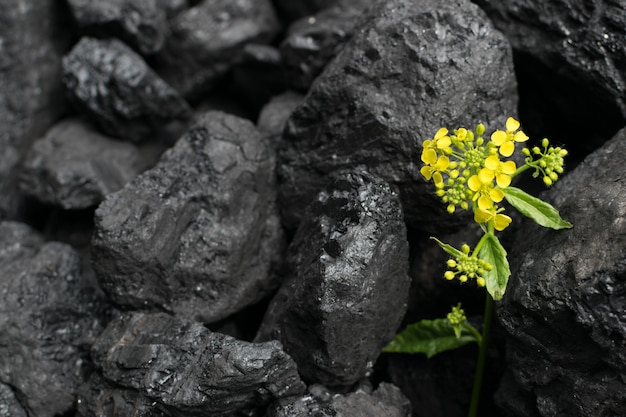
{"x": 549, "y": 163}
{"x": 466, "y": 266}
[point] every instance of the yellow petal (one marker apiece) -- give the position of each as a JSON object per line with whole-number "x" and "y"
{"x": 429, "y": 156}
{"x": 441, "y": 132}
{"x": 503, "y": 180}
{"x": 496, "y": 194}
{"x": 437, "y": 178}
{"x": 509, "y": 167}
{"x": 442, "y": 163}
{"x": 520, "y": 137}
{"x": 498, "y": 137}
{"x": 482, "y": 215}
{"x": 507, "y": 148}
{"x": 427, "y": 172}
{"x": 511, "y": 124}
{"x": 443, "y": 142}
{"x": 492, "y": 162}
{"x": 485, "y": 202}
{"x": 501, "y": 221}
{"x": 486, "y": 175}
{"x": 474, "y": 183}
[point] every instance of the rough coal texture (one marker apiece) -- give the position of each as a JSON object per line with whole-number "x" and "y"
{"x": 74, "y": 167}
{"x": 416, "y": 66}
{"x": 139, "y": 23}
{"x": 311, "y": 42}
{"x": 50, "y": 317}
{"x": 199, "y": 233}
{"x": 385, "y": 401}
{"x": 565, "y": 308}
{"x": 347, "y": 284}
{"x": 570, "y": 58}
{"x": 179, "y": 367}
{"x": 9, "y": 405}
{"x": 31, "y": 47}
{"x": 206, "y": 40}
{"x": 113, "y": 86}
{"x": 293, "y": 10}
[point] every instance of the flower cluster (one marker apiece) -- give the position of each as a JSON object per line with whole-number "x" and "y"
{"x": 468, "y": 170}
{"x": 471, "y": 172}
{"x": 456, "y": 317}
{"x": 467, "y": 266}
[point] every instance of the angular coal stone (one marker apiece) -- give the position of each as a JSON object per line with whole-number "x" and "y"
{"x": 113, "y": 85}
{"x": 579, "y": 40}
{"x": 161, "y": 363}
{"x": 198, "y": 234}
{"x": 313, "y": 41}
{"x": 207, "y": 40}
{"x": 140, "y": 23}
{"x": 50, "y": 317}
{"x": 385, "y": 401}
{"x": 564, "y": 309}
{"x": 33, "y": 36}
{"x": 275, "y": 114}
{"x": 75, "y": 167}
{"x": 347, "y": 283}
{"x": 415, "y": 67}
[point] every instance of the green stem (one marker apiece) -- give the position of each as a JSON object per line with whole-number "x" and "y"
{"x": 474, "y": 332}
{"x": 482, "y": 357}
{"x": 521, "y": 169}
{"x": 479, "y": 245}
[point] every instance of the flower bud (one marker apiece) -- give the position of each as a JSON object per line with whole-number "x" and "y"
{"x": 465, "y": 248}
{"x": 450, "y": 208}
{"x": 536, "y": 150}
{"x": 481, "y": 281}
{"x": 463, "y": 278}
{"x": 526, "y": 151}
{"x": 480, "y": 129}
{"x": 448, "y": 275}
{"x": 553, "y": 176}
{"x": 547, "y": 181}
{"x": 545, "y": 142}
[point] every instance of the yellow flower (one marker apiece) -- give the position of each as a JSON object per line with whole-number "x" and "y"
{"x": 442, "y": 140}
{"x": 434, "y": 170}
{"x": 502, "y": 171}
{"x": 506, "y": 140}
{"x": 500, "y": 221}
{"x": 485, "y": 193}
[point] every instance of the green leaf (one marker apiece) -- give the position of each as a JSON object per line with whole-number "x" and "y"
{"x": 451, "y": 250}
{"x": 493, "y": 252}
{"x": 431, "y": 337}
{"x": 538, "y": 210}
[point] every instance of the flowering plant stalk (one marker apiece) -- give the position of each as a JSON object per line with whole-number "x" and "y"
{"x": 472, "y": 173}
